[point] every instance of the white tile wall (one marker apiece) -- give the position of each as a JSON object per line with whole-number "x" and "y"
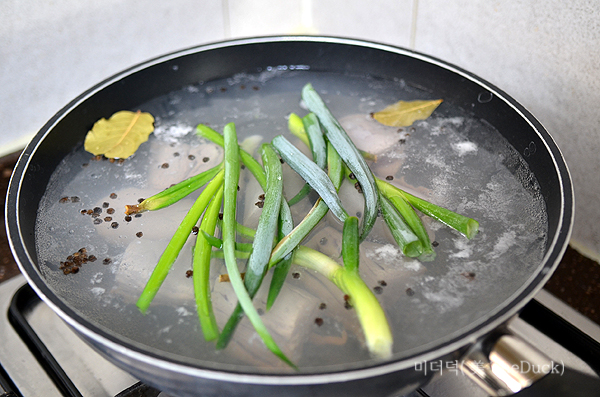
{"x": 51, "y": 51}
{"x": 544, "y": 55}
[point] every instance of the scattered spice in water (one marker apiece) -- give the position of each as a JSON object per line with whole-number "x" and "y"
{"x": 296, "y": 275}
{"x": 469, "y": 275}
{"x": 113, "y": 196}
{"x": 389, "y": 178}
{"x": 323, "y": 306}
{"x": 205, "y": 159}
{"x": 114, "y": 225}
{"x": 319, "y": 321}
{"x": 260, "y": 204}
{"x": 382, "y": 283}
{"x": 189, "y": 273}
{"x": 195, "y": 230}
{"x": 110, "y": 211}
{"x": 410, "y": 292}
{"x": 105, "y": 204}
{"x": 192, "y": 157}
{"x": 378, "y": 290}
{"x": 128, "y": 218}
{"x": 108, "y": 219}
{"x": 435, "y": 243}
{"x": 139, "y": 234}
{"x": 106, "y": 261}
{"x": 224, "y": 278}
{"x": 74, "y": 261}
{"x": 164, "y": 165}
{"x": 323, "y": 241}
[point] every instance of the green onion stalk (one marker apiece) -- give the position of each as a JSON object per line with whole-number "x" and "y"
{"x": 177, "y": 242}
{"x": 371, "y": 316}
{"x": 311, "y": 129}
{"x": 174, "y": 193}
{"x": 311, "y": 173}
{"x": 231, "y": 178}
{"x": 407, "y": 241}
{"x": 201, "y": 268}
{"x": 256, "y": 267}
{"x": 335, "y": 170}
{"x": 463, "y": 224}
{"x": 349, "y": 154}
{"x": 286, "y": 223}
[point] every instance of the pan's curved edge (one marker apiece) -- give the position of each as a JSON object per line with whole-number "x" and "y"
{"x": 530, "y": 288}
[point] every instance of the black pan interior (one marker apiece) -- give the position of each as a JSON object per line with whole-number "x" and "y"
{"x": 140, "y": 84}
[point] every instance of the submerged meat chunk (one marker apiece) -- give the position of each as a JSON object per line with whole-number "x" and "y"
{"x": 369, "y": 135}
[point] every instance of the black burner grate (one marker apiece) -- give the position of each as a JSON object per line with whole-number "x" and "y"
{"x": 23, "y": 300}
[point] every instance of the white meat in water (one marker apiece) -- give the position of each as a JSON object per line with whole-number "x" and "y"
{"x": 369, "y": 135}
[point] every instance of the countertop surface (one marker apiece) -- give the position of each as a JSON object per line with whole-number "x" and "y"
{"x": 576, "y": 281}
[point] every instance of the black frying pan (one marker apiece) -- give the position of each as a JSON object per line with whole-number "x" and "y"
{"x": 464, "y": 95}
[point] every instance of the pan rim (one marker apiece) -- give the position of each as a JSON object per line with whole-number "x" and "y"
{"x": 476, "y": 331}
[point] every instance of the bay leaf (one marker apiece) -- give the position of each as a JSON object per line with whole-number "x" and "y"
{"x": 404, "y": 113}
{"x": 119, "y": 136}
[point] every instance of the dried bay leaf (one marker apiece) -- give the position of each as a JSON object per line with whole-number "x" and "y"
{"x": 404, "y": 113}
{"x": 120, "y": 135}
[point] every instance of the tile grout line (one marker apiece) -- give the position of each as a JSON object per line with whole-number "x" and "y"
{"x": 413, "y": 24}
{"x": 226, "y": 19}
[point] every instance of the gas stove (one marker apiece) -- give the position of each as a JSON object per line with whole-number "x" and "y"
{"x": 41, "y": 356}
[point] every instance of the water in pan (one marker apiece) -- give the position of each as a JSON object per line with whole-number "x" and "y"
{"x": 451, "y": 159}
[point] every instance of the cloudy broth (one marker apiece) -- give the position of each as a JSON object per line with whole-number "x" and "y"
{"x": 451, "y": 159}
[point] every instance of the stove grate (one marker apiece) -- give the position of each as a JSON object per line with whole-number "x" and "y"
{"x": 22, "y": 302}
